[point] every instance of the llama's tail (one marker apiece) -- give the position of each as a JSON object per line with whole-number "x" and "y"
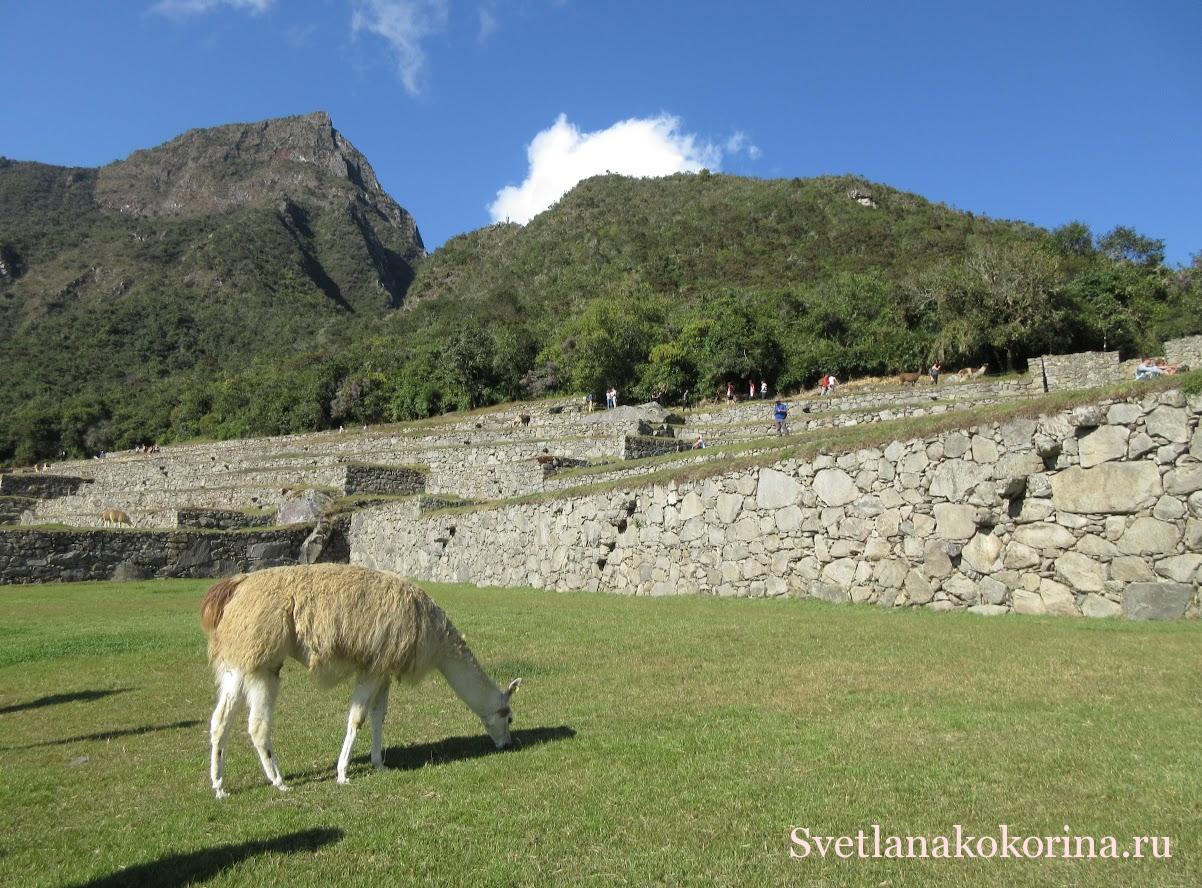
{"x": 218, "y": 596}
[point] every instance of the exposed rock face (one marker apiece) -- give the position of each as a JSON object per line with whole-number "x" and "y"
{"x": 287, "y": 164}
{"x": 205, "y": 171}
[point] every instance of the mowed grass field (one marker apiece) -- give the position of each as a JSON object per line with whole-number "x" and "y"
{"x": 665, "y": 742}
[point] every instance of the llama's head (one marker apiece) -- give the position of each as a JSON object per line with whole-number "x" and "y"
{"x": 498, "y": 721}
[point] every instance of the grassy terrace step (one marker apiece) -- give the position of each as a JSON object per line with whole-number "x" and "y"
{"x": 665, "y": 742}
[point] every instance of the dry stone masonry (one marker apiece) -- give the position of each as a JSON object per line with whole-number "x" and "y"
{"x": 30, "y": 555}
{"x": 1094, "y": 512}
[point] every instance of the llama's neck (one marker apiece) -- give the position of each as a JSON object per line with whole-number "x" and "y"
{"x": 469, "y": 681}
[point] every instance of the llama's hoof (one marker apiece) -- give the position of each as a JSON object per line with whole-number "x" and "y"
{"x": 379, "y": 766}
{"x": 343, "y": 780}
{"x": 220, "y": 793}
{"x": 282, "y": 787}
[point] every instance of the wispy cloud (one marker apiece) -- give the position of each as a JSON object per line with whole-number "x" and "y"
{"x": 402, "y": 24}
{"x": 488, "y": 24}
{"x": 182, "y": 8}
{"x": 561, "y": 156}
{"x": 739, "y": 143}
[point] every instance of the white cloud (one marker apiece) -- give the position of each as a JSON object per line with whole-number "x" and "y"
{"x": 180, "y": 8}
{"x": 488, "y": 24}
{"x": 403, "y": 24}
{"x": 739, "y": 142}
{"x": 562, "y": 155}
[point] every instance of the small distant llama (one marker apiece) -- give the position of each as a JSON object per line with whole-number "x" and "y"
{"x": 337, "y": 620}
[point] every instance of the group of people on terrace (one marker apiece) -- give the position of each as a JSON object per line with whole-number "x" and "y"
{"x": 1150, "y": 368}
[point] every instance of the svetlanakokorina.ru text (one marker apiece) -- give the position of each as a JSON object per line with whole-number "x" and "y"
{"x": 961, "y": 845}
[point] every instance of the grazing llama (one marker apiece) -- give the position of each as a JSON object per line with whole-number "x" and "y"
{"x": 337, "y": 620}
{"x": 115, "y": 516}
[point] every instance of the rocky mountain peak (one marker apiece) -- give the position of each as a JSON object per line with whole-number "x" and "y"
{"x": 209, "y": 170}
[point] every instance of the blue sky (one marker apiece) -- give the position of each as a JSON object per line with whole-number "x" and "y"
{"x": 1043, "y": 111}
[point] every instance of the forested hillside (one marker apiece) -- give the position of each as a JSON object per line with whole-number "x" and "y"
{"x": 154, "y": 302}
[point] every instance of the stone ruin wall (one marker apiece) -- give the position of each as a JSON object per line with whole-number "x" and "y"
{"x": 29, "y": 555}
{"x": 1187, "y": 351}
{"x": 1078, "y": 371}
{"x": 1095, "y": 512}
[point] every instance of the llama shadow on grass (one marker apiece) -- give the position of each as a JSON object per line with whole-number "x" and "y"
{"x": 446, "y": 751}
{"x": 200, "y": 866}
{"x": 56, "y": 699}
{"x": 455, "y": 749}
{"x": 111, "y": 735}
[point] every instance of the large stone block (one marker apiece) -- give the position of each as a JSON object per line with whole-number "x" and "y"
{"x": 984, "y": 450}
{"x": 1029, "y": 603}
{"x": 1168, "y": 423}
{"x": 1111, "y": 488}
{"x": 917, "y": 588}
{"x": 788, "y": 519}
{"x": 1097, "y": 607}
{"x": 1019, "y": 556}
{"x": 1147, "y": 536}
{"x": 1103, "y": 445}
{"x": 1044, "y": 535}
{"x": 1081, "y": 572}
{"x": 1156, "y": 601}
{"x": 956, "y": 477}
{"x": 776, "y": 489}
{"x": 729, "y": 506}
{"x": 955, "y": 521}
{"x": 1057, "y": 598}
{"x": 1180, "y": 568}
{"x": 1183, "y": 481}
{"x": 840, "y": 572}
{"x": 983, "y": 553}
{"x": 835, "y": 487}
{"x": 1123, "y": 413}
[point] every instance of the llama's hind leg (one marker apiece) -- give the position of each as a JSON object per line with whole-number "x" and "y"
{"x": 261, "y": 689}
{"x": 364, "y": 694}
{"x": 228, "y": 694}
{"x": 379, "y": 708}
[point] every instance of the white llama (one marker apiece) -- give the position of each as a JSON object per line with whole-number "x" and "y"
{"x": 337, "y": 620}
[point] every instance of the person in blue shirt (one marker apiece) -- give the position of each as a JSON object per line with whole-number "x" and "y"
{"x": 780, "y": 412}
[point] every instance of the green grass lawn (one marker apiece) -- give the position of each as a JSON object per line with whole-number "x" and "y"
{"x": 666, "y": 742}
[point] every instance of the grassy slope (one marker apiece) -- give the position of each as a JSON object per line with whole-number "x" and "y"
{"x": 667, "y": 742}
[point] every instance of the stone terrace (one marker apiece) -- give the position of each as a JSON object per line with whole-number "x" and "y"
{"x": 483, "y": 456}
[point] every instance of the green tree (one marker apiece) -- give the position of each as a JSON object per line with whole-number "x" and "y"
{"x": 1013, "y": 298}
{"x": 1123, "y": 244}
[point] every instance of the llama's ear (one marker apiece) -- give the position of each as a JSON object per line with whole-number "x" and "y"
{"x": 513, "y": 686}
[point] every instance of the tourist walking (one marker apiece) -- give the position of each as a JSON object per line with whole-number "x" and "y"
{"x": 780, "y": 413}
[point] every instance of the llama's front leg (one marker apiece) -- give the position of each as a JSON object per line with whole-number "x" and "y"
{"x": 379, "y": 709}
{"x": 219, "y": 727}
{"x": 361, "y": 700}
{"x": 261, "y": 690}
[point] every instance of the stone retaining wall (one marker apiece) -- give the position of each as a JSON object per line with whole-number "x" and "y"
{"x": 1184, "y": 351}
{"x": 1097, "y": 511}
{"x": 921, "y": 393}
{"x": 40, "y": 556}
{"x": 486, "y": 482}
{"x": 39, "y": 486}
{"x": 12, "y": 507}
{"x": 396, "y": 480}
{"x": 643, "y": 446}
{"x": 221, "y": 519}
{"x": 1079, "y": 371}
